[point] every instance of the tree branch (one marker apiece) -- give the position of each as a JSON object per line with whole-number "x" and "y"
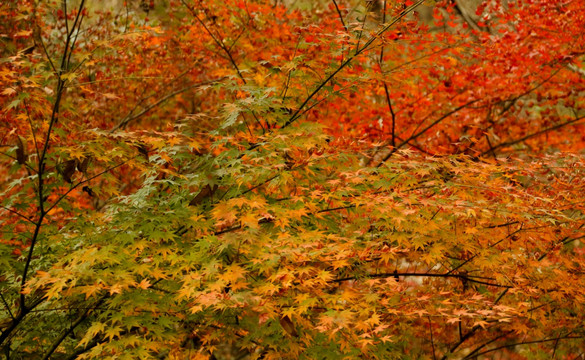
{"x": 70, "y": 329}
{"x": 408, "y": 274}
{"x": 128, "y": 119}
{"x": 537, "y": 133}
{"x": 415, "y": 136}
{"x": 366, "y": 46}
{"x": 470, "y": 356}
{"x": 340, "y": 15}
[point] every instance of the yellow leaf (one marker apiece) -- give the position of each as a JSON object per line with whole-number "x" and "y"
{"x": 386, "y": 339}
{"x": 144, "y": 284}
{"x": 222, "y": 211}
{"x": 289, "y": 312}
{"x": 471, "y": 230}
{"x": 257, "y": 203}
{"x": 116, "y": 289}
{"x": 195, "y": 145}
{"x": 481, "y": 323}
{"x": 250, "y": 220}
{"x": 23, "y": 33}
{"x": 373, "y": 320}
{"x": 8, "y": 91}
{"x": 90, "y": 290}
{"x": 233, "y": 273}
{"x": 325, "y": 276}
{"x": 113, "y": 332}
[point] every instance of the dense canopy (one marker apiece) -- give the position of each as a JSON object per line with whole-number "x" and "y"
{"x": 266, "y": 179}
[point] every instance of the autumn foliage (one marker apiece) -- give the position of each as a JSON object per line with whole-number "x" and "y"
{"x": 255, "y": 179}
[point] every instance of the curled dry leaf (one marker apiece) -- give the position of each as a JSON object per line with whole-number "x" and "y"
{"x": 20, "y": 151}
{"x": 288, "y": 326}
{"x": 67, "y": 169}
{"x": 205, "y": 193}
{"x": 82, "y": 165}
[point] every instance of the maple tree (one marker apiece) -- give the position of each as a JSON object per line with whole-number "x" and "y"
{"x": 262, "y": 179}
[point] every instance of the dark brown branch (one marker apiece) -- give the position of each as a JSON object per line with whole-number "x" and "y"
{"x": 502, "y": 225}
{"x": 261, "y": 184}
{"x": 47, "y": 54}
{"x": 529, "y": 136}
{"x": 491, "y": 149}
{"x": 421, "y": 132}
{"x": 365, "y": 47}
{"x": 357, "y": 46}
{"x": 340, "y": 15}
{"x": 22, "y": 312}
{"x": 217, "y": 41}
{"x": 7, "y": 306}
{"x": 93, "y": 343}
{"x": 522, "y": 343}
{"x": 489, "y": 342}
{"x": 489, "y": 247}
{"x": 125, "y": 121}
{"x": 75, "y": 39}
{"x": 407, "y": 274}
{"x": 17, "y": 213}
{"x": 29, "y": 168}
{"x": 73, "y": 187}
{"x": 466, "y": 16}
{"x": 387, "y": 92}
{"x": 70, "y": 329}
{"x": 393, "y": 139}
{"x": 41, "y": 169}
{"x": 500, "y": 297}
{"x": 337, "y": 208}
{"x": 32, "y": 129}
{"x": 432, "y": 341}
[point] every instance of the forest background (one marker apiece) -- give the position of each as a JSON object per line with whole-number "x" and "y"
{"x": 254, "y": 179}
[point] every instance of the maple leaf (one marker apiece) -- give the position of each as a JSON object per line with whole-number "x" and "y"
{"x": 112, "y": 332}
{"x": 8, "y": 91}
{"x": 481, "y": 323}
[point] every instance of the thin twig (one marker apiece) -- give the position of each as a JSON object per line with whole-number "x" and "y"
{"x": 537, "y": 133}
{"x": 365, "y": 47}
{"x": 414, "y": 274}
{"x": 17, "y": 213}
{"x": 421, "y": 132}
{"x": 70, "y": 329}
{"x": 432, "y": 342}
{"x": 7, "y": 306}
{"x": 522, "y": 343}
{"x": 125, "y": 121}
{"x": 219, "y": 42}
